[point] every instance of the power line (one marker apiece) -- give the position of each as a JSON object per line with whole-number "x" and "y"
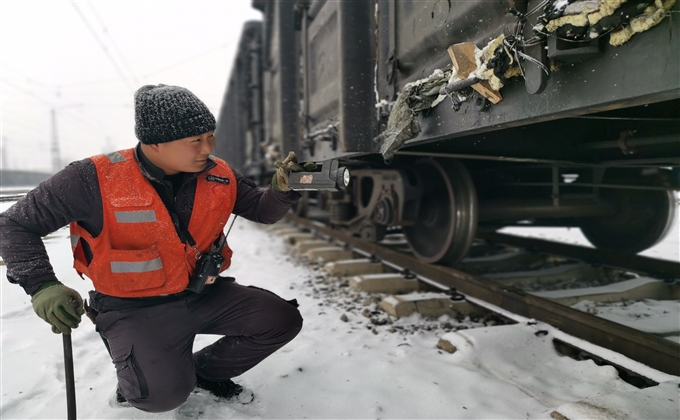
{"x": 27, "y": 92}
{"x": 179, "y": 63}
{"x": 111, "y": 81}
{"x": 43, "y": 84}
{"x": 91, "y": 123}
{"x": 21, "y": 73}
{"x": 102, "y": 46}
{"x": 87, "y": 122}
{"x": 31, "y": 126}
{"x": 79, "y": 84}
{"x": 113, "y": 42}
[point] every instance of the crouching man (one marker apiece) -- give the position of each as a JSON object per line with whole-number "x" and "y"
{"x": 140, "y": 220}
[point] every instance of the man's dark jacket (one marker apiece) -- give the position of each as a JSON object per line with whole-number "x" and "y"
{"x": 73, "y": 195}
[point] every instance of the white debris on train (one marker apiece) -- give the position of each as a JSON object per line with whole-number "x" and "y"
{"x": 579, "y": 20}
{"x": 422, "y": 94}
{"x": 591, "y": 19}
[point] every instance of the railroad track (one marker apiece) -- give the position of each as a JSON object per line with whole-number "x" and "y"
{"x": 10, "y": 197}
{"x": 646, "y": 348}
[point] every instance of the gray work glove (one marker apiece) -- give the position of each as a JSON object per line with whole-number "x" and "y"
{"x": 283, "y": 169}
{"x": 60, "y": 306}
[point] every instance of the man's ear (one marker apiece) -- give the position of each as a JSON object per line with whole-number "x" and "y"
{"x": 153, "y": 147}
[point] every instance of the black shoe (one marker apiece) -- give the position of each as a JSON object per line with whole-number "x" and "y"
{"x": 226, "y": 389}
{"x": 118, "y": 400}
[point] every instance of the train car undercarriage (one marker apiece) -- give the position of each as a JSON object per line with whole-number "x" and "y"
{"x": 581, "y": 129}
{"x": 439, "y": 206}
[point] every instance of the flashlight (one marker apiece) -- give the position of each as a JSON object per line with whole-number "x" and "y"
{"x": 328, "y": 176}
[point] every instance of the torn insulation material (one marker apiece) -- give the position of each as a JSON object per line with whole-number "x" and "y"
{"x": 416, "y": 96}
{"x": 605, "y": 8}
{"x": 580, "y": 13}
{"x": 590, "y": 19}
{"x": 652, "y": 16}
{"x": 496, "y": 63}
{"x": 577, "y": 20}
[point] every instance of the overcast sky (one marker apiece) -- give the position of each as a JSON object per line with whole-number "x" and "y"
{"x": 85, "y": 60}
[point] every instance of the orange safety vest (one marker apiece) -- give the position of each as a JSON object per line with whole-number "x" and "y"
{"x": 139, "y": 253}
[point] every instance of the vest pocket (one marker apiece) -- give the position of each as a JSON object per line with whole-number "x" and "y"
{"x": 136, "y": 269}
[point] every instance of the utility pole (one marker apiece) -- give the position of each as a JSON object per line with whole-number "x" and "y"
{"x": 56, "y": 153}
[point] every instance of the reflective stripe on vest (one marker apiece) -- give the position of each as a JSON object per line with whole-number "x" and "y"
{"x": 116, "y": 157}
{"x": 140, "y": 216}
{"x": 136, "y": 267}
{"x": 74, "y": 240}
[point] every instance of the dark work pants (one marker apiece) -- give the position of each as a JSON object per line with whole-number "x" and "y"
{"x": 151, "y": 347}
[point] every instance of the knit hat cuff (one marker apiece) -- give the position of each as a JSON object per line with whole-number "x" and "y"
{"x": 176, "y": 130}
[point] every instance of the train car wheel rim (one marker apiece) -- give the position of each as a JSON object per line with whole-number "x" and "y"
{"x": 644, "y": 219}
{"x": 447, "y": 219}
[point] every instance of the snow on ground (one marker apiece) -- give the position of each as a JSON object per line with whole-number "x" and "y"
{"x": 653, "y": 316}
{"x": 333, "y": 369}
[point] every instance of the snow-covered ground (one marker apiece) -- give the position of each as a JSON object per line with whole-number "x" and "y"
{"x": 333, "y": 369}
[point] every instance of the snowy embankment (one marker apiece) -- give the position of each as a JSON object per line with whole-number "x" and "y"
{"x": 333, "y": 369}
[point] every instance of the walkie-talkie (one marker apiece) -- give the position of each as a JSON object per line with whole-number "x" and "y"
{"x": 208, "y": 266}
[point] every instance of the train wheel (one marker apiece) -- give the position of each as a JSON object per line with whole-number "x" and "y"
{"x": 643, "y": 219}
{"x": 447, "y": 219}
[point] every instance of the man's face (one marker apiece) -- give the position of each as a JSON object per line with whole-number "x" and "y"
{"x": 189, "y": 154}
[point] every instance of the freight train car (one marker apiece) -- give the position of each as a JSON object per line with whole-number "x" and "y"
{"x": 458, "y": 116}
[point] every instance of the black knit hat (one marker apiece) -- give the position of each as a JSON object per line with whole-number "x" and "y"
{"x": 165, "y": 113}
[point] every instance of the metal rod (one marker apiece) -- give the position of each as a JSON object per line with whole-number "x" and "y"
{"x": 543, "y": 208}
{"x": 634, "y": 141}
{"x": 458, "y": 85}
{"x": 70, "y": 377}
{"x": 484, "y": 157}
{"x": 589, "y": 184}
{"x": 665, "y": 161}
